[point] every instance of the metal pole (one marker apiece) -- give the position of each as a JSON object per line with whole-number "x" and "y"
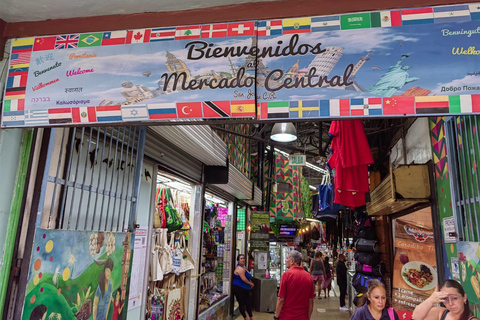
{"x": 59, "y": 163}
{"x": 100, "y": 174}
{"x": 67, "y": 178}
{"x": 75, "y": 179}
{"x": 469, "y": 144}
{"x": 138, "y": 175}
{"x": 114, "y": 176}
{"x": 90, "y": 187}
{"x": 83, "y": 181}
{"x": 462, "y": 165}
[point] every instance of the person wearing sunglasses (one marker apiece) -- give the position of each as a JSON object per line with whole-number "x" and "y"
{"x": 453, "y": 300}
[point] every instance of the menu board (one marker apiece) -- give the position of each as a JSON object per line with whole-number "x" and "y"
{"x": 414, "y": 271}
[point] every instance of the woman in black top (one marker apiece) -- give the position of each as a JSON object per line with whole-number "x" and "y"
{"x": 342, "y": 280}
{"x": 454, "y": 303}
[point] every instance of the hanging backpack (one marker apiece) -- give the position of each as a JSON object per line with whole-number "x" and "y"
{"x": 371, "y": 259}
{"x": 360, "y": 281}
{"x": 364, "y": 245}
{"x": 378, "y": 271}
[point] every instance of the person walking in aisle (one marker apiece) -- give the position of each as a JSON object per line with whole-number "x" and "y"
{"x": 242, "y": 284}
{"x": 327, "y": 282}
{"x": 341, "y": 271}
{"x": 317, "y": 270}
{"x": 376, "y": 306}
{"x": 454, "y": 304}
{"x": 295, "y": 297}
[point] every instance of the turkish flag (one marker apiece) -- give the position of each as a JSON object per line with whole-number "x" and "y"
{"x": 187, "y": 110}
{"x": 45, "y": 43}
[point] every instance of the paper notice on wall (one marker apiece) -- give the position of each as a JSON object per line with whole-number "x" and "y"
{"x": 449, "y": 230}
{"x": 138, "y": 270}
{"x": 455, "y": 268}
{"x": 262, "y": 260}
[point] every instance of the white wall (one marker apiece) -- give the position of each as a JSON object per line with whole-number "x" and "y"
{"x": 418, "y": 144}
{"x": 145, "y": 204}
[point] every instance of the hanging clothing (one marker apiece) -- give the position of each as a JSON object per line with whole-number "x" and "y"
{"x": 350, "y": 159}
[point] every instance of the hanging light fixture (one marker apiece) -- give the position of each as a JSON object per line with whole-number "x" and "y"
{"x": 283, "y": 132}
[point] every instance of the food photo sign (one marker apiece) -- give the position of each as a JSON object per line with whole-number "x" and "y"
{"x": 418, "y": 62}
{"x": 414, "y": 271}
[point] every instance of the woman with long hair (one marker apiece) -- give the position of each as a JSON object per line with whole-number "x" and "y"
{"x": 242, "y": 285}
{"x": 376, "y": 306}
{"x": 327, "y": 282}
{"x": 103, "y": 295}
{"x": 317, "y": 270}
{"x": 454, "y": 304}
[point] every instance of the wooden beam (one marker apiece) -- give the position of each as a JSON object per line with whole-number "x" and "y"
{"x": 238, "y": 12}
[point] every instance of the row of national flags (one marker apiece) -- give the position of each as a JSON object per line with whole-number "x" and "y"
{"x": 121, "y": 37}
{"x": 440, "y": 14}
{"x": 392, "y": 106}
{"x": 129, "y": 113}
{"x": 16, "y": 82}
{"x": 15, "y": 115}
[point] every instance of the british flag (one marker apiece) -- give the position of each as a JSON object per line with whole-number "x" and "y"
{"x": 67, "y": 41}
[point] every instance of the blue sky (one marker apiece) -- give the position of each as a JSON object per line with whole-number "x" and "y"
{"x": 430, "y": 59}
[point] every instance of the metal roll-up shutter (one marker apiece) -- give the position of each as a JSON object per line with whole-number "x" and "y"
{"x": 238, "y": 185}
{"x": 199, "y": 141}
{"x": 164, "y": 152}
{"x": 257, "y": 197}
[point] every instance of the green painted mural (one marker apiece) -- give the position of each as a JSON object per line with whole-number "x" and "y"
{"x": 462, "y": 257}
{"x": 439, "y": 148}
{"x": 238, "y": 147}
{"x": 78, "y": 275}
{"x": 288, "y": 203}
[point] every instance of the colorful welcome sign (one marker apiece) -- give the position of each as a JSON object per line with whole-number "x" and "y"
{"x": 421, "y": 61}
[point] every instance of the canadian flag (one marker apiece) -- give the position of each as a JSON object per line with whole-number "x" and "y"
{"x": 138, "y": 36}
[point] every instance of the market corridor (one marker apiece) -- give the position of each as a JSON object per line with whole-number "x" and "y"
{"x": 323, "y": 307}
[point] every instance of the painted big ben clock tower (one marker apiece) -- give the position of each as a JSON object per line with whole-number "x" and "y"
{"x": 176, "y": 65}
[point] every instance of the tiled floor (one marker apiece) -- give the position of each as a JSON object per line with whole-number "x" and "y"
{"x": 325, "y": 307}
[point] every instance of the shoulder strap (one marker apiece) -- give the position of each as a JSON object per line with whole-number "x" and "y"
{"x": 444, "y": 315}
{"x": 390, "y": 314}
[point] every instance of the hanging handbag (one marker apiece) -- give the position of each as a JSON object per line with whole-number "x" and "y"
{"x": 174, "y": 305}
{"x": 157, "y": 222}
{"x": 157, "y": 304}
{"x": 164, "y": 252}
{"x": 176, "y": 253}
{"x": 161, "y": 208}
{"x": 174, "y": 221}
{"x": 156, "y": 273}
{"x": 187, "y": 262}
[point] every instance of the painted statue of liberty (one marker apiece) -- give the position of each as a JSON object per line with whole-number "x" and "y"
{"x": 392, "y": 81}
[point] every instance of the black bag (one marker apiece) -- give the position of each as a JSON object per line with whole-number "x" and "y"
{"x": 360, "y": 281}
{"x": 371, "y": 259}
{"x": 377, "y": 271}
{"x": 367, "y": 233}
{"x": 364, "y": 245}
